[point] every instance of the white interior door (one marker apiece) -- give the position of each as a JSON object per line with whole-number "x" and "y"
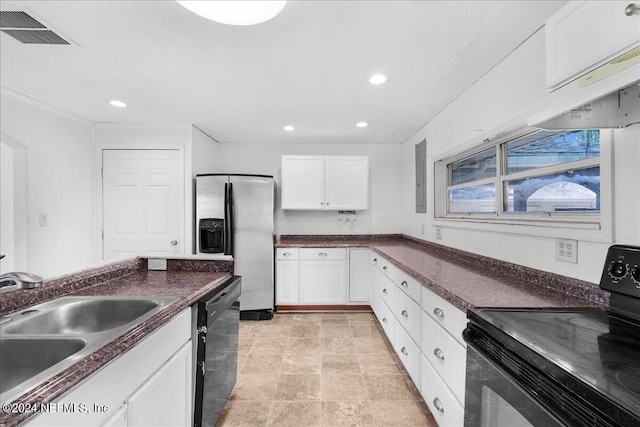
{"x": 142, "y": 203}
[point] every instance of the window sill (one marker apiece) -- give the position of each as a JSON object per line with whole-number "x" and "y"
{"x": 586, "y": 230}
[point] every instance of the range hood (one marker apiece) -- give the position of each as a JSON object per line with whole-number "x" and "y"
{"x": 619, "y": 109}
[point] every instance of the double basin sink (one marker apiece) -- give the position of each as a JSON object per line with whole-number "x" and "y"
{"x": 43, "y": 340}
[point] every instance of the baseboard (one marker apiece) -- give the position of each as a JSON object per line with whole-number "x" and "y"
{"x": 344, "y": 307}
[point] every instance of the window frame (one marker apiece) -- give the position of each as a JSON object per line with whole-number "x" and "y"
{"x": 587, "y": 225}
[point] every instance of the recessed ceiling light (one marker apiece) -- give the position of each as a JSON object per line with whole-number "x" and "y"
{"x": 362, "y": 124}
{"x": 289, "y": 128}
{"x": 117, "y": 103}
{"x": 377, "y": 79}
{"x": 235, "y": 12}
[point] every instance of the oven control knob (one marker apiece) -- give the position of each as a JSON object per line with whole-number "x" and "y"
{"x": 617, "y": 269}
{"x": 635, "y": 274}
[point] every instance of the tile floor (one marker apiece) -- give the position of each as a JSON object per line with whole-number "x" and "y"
{"x": 321, "y": 369}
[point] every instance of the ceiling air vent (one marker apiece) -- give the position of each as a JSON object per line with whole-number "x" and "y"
{"x": 26, "y": 29}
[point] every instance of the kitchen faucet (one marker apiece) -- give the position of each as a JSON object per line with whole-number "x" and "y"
{"x": 19, "y": 280}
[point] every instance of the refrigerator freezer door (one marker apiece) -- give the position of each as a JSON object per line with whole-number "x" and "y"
{"x": 253, "y": 223}
{"x": 209, "y": 200}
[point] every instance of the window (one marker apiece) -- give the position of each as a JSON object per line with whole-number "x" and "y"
{"x": 538, "y": 175}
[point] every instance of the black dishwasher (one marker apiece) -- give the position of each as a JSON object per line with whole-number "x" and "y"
{"x": 216, "y": 350}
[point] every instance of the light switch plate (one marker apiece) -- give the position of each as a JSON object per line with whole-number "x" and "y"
{"x": 157, "y": 264}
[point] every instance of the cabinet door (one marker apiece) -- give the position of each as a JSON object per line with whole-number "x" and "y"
{"x": 165, "y": 399}
{"x": 360, "y": 279}
{"x": 118, "y": 419}
{"x": 303, "y": 182}
{"x": 287, "y": 282}
{"x": 586, "y": 34}
{"x": 323, "y": 282}
{"x": 347, "y": 185}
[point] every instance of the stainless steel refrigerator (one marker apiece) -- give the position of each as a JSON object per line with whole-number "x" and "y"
{"x": 235, "y": 216}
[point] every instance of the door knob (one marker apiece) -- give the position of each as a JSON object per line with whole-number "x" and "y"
{"x": 174, "y": 242}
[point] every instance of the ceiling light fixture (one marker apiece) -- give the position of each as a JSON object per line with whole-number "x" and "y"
{"x": 377, "y": 79}
{"x": 289, "y": 128}
{"x": 235, "y": 12}
{"x": 362, "y": 124}
{"x": 117, "y": 103}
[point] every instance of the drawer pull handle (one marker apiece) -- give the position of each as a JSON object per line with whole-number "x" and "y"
{"x": 438, "y": 312}
{"x": 631, "y": 9}
{"x": 322, "y": 254}
{"x": 384, "y": 268}
{"x": 404, "y": 313}
{"x": 404, "y": 351}
{"x": 384, "y": 320}
{"x": 384, "y": 291}
{"x": 438, "y": 405}
{"x": 404, "y": 283}
{"x": 375, "y": 260}
{"x": 438, "y": 353}
{"x": 287, "y": 254}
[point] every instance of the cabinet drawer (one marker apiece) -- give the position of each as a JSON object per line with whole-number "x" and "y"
{"x": 446, "y": 355}
{"x": 409, "y": 285}
{"x": 384, "y": 289}
{"x": 382, "y": 264}
{"x": 409, "y": 353}
{"x": 386, "y": 319}
{"x": 408, "y": 314}
{"x": 445, "y": 314}
{"x": 323, "y": 253}
{"x": 444, "y": 407}
{"x": 287, "y": 253}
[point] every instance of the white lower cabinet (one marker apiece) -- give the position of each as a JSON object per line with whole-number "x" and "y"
{"x": 287, "y": 276}
{"x": 360, "y": 279}
{"x": 165, "y": 398}
{"x": 150, "y": 385}
{"x": 118, "y": 419}
{"x": 408, "y": 314}
{"x": 409, "y": 353}
{"x": 444, "y": 407}
{"x": 447, "y": 356}
{"x": 426, "y": 332}
{"x": 387, "y": 320}
{"x": 322, "y": 276}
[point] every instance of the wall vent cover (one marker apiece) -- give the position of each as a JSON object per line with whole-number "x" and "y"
{"x": 26, "y": 29}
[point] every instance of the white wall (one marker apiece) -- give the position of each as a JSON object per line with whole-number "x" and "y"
{"x": 385, "y": 199}
{"x": 60, "y": 182}
{"x": 510, "y": 91}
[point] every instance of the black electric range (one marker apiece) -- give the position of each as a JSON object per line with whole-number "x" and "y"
{"x": 578, "y": 367}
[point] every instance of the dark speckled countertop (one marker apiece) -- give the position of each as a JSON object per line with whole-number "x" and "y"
{"x": 467, "y": 280}
{"x": 187, "y": 279}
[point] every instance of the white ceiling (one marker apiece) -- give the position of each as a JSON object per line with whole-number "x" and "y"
{"x": 307, "y": 67}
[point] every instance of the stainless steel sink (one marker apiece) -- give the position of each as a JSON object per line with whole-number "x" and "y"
{"x": 43, "y": 340}
{"x": 83, "y": 316}
{"x": 24, "y": 358}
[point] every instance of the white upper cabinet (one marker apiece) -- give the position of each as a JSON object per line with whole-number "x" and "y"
{"x": 325, "y": 182}
{"x": 584, "y": 35}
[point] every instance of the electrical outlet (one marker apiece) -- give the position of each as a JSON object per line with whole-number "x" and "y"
{"x": 438, "y": 233}
{"x": 42, "y": 219}
{"x": 567, "y": 250}
{"x": 157, "y": 264}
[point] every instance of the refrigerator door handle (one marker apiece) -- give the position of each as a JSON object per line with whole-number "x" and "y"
{"x": 230, "y": 229}
{"x": 225, "y": 243}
